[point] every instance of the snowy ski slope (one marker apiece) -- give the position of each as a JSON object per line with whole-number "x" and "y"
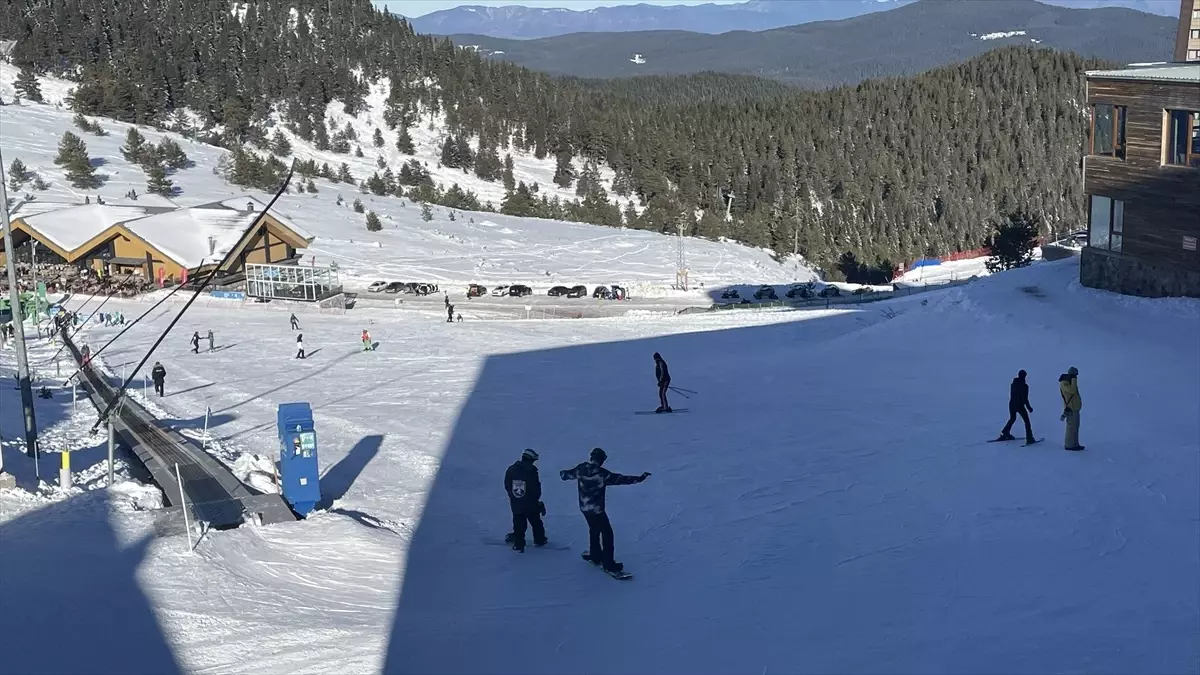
{"x": 474, "y": 247}
{"x": 829, "y": 504}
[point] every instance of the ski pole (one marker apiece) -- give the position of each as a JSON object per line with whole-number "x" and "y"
{"x": 679, "y": 392}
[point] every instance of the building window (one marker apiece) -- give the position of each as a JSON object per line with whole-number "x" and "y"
{"x": 1193, "y": 55}
{"x": 1108, "y": 130}
{"x": 1183, "y": 138}
{"x": 1106, "y": 223}
{"x": 1194, "y": 34}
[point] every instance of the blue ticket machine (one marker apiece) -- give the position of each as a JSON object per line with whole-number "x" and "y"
{"x": 298, "y": 457}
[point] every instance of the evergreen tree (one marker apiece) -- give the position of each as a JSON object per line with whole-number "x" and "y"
{"x": 358, "y": 206}
{"x": 135, "y": 146}
{"x": 378, "y": 138}
{"x": 564, "y": 172}
{"x": 172, "y": 155}
{"x": 426, "y": 212}
{"x": 381, "y": 162}
{"x": 18, "y": 173}
{"x": 27, "y": 85}
{"x": 358, "y": 151}
{"x": 344, "y": 174}
{"x": 405, "y": 142}
{"x": 158, "y": 182}
{"x": 373, "y": 224}
{"x": 310, "y": 187}
{"x": 280, "y": 145}
{"x": 71, "y": 150}
{"x": 510, "y": 182}
{"x": 1012, "y": 244}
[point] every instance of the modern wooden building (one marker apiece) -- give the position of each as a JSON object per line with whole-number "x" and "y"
{"x": 159, "y": 242}
{"x": 1141, "y": 178}
{"x": 1187, "y": 39}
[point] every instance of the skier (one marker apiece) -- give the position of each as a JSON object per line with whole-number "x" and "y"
{"x": 593, "y": 479}
{"x": 86, "y": 353}
{"x": 1018, "y": 404}
{"x": 447, "y": 298}
{"x": 664, "y": 381}
{"x": 300, "y": 346}
{"x": 366, "y": 340}
{"x": 1068, "y": 386}
{"x": 211, "y": 340}
{"x": 449, "y": 313}
{"x": 196, "y": 342}
{"x": 295, "y": 323}
{"x": 159, "y": 375}
{"x": 524, "y": 489}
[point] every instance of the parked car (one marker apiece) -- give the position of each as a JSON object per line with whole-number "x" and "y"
{"x": 476, "y": 291}
{"x": 765, "y": 291}
{"x": 577, "y": 292}
{"x": 500, "y": 291}
{"x": 830, "y": 292}
{"x": 863, "y": 290}
{"x": 519, "y": 291}
{"x": 600, "y": 292}
{"x": 730, "y": 293}
{"x": 394, "y": 287}
{"x": 802, "y": 291}
{"x": 557, "y": 291}
{"x": 377, "y": 286}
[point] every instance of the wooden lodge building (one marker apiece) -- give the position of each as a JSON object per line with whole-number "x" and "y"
{"x": 159, "y": 240}
{"x": 1141, "y": 178}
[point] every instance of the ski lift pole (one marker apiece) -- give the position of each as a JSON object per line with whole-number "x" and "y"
{"x": 204, "y": 440}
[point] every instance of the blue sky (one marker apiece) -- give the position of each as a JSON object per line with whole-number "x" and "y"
{"x": 419, "y": 7}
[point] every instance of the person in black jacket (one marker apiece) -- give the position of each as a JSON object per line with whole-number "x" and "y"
{"x": 524, "y": 490}
{"x": 663, "y": 376}
{"x": 1018, "y": 404}
{"x": 593, "y": 479}
{"x": 159, "y": 375}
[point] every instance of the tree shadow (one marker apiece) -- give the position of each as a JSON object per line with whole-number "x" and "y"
{"x": 337, "y": 479}
{"x": 191, "y": 389}
{"x": 285, "y": 385}
{"x": 64, "y": 615}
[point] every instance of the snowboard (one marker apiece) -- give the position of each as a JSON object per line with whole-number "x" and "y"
{"x": 551, "y": 546}
{"x": 619, "y": 576}
{"x": 651, "y": 412}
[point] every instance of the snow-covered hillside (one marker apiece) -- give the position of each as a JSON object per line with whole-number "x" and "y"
{"x": 472, "y": 247}
{"x": 829, "y": 502}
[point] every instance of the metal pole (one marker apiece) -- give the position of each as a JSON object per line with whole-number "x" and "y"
{"x": 74, "y": 395}
{"x": 64, "y": 473}
{"x": 18, "y": 325}
{"x": 183, "y": 505}
{"x": 111, "y": 447}
{"x": 37, "y": 305}
{"x": 204, "y": 441}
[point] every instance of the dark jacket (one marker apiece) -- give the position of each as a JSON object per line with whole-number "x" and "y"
{"x": 593, "y": 479}
{"x": 524, "y": 487}
{"x": 1018, "y": 395}
{"x": 159, "y": 374}
{"x": 661, "y": 373}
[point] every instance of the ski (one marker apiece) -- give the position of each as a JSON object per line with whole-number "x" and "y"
{"x": 1002, "y": 440}
{"x": 665, "y": 412}
{"x": 1036, "y": 440}
{"x": 619, "y": 576}
{"x": 549, "y": 547}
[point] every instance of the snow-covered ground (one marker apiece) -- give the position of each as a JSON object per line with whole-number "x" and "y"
{"x": 453, "y": 251}
{"x": 828, "y": 504}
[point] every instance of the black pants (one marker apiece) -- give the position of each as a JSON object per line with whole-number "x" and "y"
{"x": 600, "y": 535}
{"x": 662, "y": 393}
{"x": 1012, "y": 417}
{"x": 158, "y": 388}
{"x": 535, "y": 522}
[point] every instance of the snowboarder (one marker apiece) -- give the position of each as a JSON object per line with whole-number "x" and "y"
{"x": 1018, "y": 404}
{"x": 211, "y": 340}
{"x": 449, "y": 313}
{"x": 593, "y": 479}
{"x": 300, "y": 346}
{"x": 159, "y": 375}
{"x": 366, "y": 340}
{"x": 1068, "y": 386}
{"x": 295, "y": 323}
{"x": 524, "y": 489}
{"x": 196, "y": 342}
{"x": 664, "y": 382}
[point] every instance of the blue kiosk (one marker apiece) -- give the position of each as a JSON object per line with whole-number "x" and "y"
{"x": 298, "y": 471}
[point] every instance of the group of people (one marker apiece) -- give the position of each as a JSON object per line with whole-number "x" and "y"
{"x": 196, "y": 341}
{"x": 1018, "y": 406}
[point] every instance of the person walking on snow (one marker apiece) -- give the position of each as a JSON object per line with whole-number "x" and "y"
{"x": 449, "y": 313}
{"x": 300, "y": 346}
{"x": 524, "y": 489}
{"x": 295, "y": 322}
{"x": 1018, "y": 404}
{"x": 159, "y": 375}
{"x": 1068, "y": 386}
{"x": 196, "y": 342}
{"x": 211, "y": 340}
{"x": 664, "y": 382}
{"x": 366, "y": 340}
{"x": 593, "y": 479}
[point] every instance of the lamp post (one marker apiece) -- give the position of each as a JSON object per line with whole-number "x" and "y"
{"x": 18, "y": 324}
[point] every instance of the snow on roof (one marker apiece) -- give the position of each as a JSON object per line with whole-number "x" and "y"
{"x": 1186, "y": 73}
{"x": 69, "y": 227}
{"x": 243, "y": 203}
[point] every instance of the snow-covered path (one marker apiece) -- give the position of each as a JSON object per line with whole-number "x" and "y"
{"x": 829, "y": 503}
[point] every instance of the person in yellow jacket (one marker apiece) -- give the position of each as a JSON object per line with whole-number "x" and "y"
{"x": 1068, "y": 386}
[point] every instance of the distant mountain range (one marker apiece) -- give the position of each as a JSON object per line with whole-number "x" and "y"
{"x": 523, "y": 23}
{"x": 910, "y": 38}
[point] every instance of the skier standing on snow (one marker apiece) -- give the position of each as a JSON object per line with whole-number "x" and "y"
{"x": 300, "y": 346}
{"x": 664, "y": 381}
{"x": 211, "y": 340}
{"x": 449, "y": 313}
{"x": 196, "y": 342}
{"x": 1068, "y": 386}
{"x": 366, "y": 340}
{"x": 295, "y": 323}
{"x": 593, "y": 479}
{"x": 159, "y": 375}
{"x": 524, "y": 488}
{"x": 1018, "y": 404}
